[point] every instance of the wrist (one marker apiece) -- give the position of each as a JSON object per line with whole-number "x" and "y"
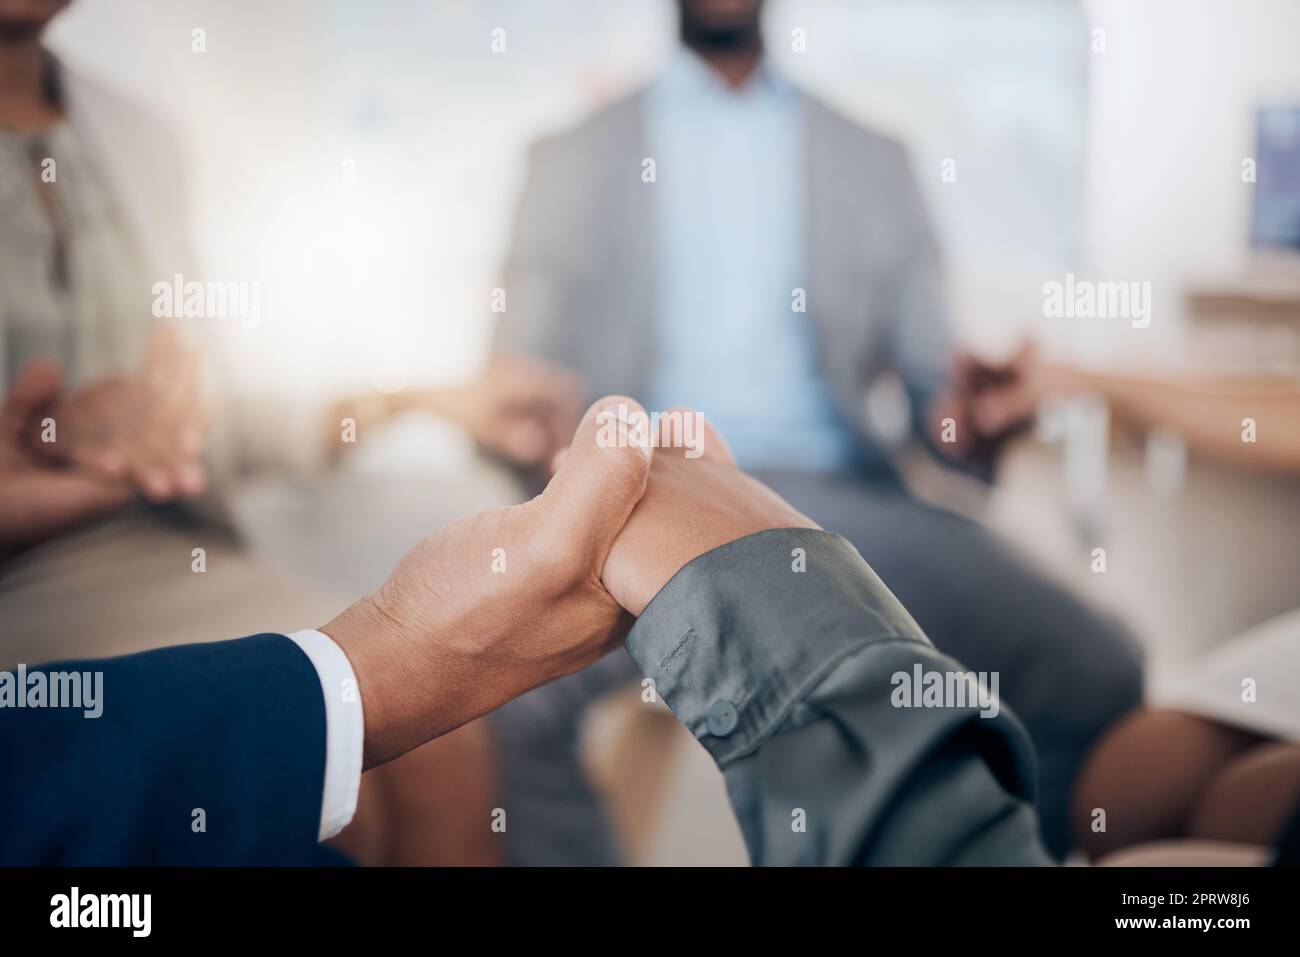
{"x": 419, "y": 677}
{"x": 370, "y": 641}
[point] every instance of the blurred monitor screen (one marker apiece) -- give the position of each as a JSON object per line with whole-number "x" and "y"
{"x": 1276, "y": 218}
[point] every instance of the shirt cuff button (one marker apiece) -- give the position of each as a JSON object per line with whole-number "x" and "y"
{"x": 722, "y": 719}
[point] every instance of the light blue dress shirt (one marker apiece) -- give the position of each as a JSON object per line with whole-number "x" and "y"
{"x": 730, "y": 198}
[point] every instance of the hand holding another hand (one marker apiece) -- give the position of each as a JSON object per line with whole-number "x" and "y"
{"x": 504, "y": 600}
{"x": 495, "y": 603}
{"x": 690, "y": 506}
{"x": 1007, "y": 395}
{"x": 523, "y": 410}
{"x": 145, "y": 429}
{"x": 991, "y": 401}
{"x": 37, "y": 498}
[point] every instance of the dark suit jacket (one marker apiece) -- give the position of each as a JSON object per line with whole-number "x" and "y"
{"x": 235, "y": 729}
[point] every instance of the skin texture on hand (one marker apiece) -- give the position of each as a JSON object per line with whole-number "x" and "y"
{"x": 146, "y": 429}
{"x": 690, "y": 506}
{"x": 496, "y": 603}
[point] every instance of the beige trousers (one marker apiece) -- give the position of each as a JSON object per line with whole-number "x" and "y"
{"x": 128, "y": 584}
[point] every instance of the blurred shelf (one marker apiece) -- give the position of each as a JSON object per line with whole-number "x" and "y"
{"x": 1247, "y": 325}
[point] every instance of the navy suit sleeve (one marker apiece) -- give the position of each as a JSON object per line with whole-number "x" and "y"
{"x": 228, "y": 735}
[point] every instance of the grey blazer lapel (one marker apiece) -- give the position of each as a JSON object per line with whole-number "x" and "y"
{"x": 837, "y": 305}
{"x": 619, "y": 313}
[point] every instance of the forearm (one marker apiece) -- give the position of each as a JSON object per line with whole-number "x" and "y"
{"x": 37, "y": 507}
{"x": 1211, "y": 417}
{"x": 419, "y": 679}
{"x": 375, "y": 408}
{"x": 779, "y": 651}
{"x": 402, "y": 710}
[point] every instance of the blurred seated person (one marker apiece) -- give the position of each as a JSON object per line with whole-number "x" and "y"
{"x": 774, "y": 258}
{"x": 105, "y": 564}
{"x": 1214, "y": 764}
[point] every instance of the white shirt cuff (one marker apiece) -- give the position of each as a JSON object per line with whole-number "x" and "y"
{"x": 344, "y": 729}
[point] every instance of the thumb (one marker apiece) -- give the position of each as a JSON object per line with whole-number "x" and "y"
{"x": 37, "y": 386}
{"x": 601, "y": 478}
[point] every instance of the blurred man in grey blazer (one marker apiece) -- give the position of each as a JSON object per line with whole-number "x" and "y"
{"x": 721, "y": 239}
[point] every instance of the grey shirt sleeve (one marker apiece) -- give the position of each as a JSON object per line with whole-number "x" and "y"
{"x": 788, "y": 659}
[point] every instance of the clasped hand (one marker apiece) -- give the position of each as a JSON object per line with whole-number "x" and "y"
{"x": 144, "y": 430}
{"x": 505, "y": 600}
{"x": 67, "y": 459}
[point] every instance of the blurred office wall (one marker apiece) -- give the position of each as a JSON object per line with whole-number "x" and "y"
{"x": 362, "y": 159}
{"x": 1171, "y": 117}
